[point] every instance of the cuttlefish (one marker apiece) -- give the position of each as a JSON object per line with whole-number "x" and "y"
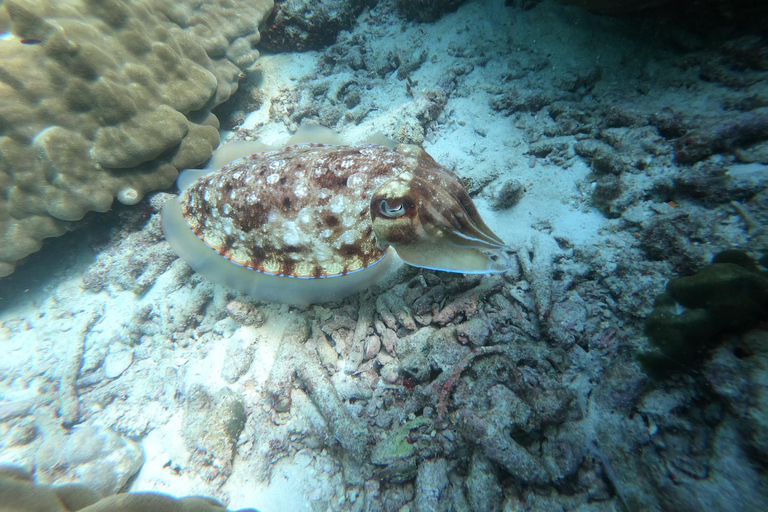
{"x": 317, "y": 220}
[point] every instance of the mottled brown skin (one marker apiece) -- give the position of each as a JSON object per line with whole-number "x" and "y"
{"x": 321, "y": 210}
{"x": 299, "y": 211}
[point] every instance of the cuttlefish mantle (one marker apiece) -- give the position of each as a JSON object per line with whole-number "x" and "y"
{"x": 317, "y": 220}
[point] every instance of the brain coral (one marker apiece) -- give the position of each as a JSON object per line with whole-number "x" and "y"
{"x": 104, "y": 99}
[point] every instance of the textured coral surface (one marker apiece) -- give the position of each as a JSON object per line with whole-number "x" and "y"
{"x": 108, "y": 99}
{"x": 21, "y": 494}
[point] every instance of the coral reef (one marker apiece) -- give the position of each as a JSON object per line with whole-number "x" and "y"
{"x": 212, "y": 426}
{"x": 105, "y": 100}
{"x": 91, "y": 456}
{"x": 20, "y": 494}
{"x": 300, "y": 25}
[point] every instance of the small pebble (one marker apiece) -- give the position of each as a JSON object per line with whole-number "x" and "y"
{"x": 507, "y": 195}
{"x": 245, "y": 314}
{"x": 390, "y": 372}
{"x": 372, "y": 347}
{"x": 383, "y": 358}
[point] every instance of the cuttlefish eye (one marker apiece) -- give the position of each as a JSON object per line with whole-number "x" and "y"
{"x": 392, "y": 209}
{"x": 427, "y": 216}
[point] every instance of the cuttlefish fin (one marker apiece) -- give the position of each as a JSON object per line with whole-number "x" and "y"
{"x": 314, "y": 133}
{"x": 224, "y": 154}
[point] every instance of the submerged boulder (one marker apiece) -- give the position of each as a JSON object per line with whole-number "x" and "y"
{"x": 729, "y": 295}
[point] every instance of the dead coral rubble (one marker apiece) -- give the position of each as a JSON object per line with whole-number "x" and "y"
{"x": 299, "y": 25}
{"x": 444, "y": 389}
{"x": 447, "y": 396}
{"x": 211, "y": 428}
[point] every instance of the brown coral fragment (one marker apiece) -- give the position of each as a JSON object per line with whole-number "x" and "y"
{"x": 468, "y": 303}
{"x": 111, "y": 100}
{"x": 502, "y": 449}
{"x": 211, "y": 428}
{"x": 295, "y": 359}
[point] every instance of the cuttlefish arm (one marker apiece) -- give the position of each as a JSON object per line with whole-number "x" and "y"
{"x": 425, "y": 213}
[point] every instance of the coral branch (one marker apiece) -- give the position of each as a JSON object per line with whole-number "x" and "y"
{"x": 445, "y": 389}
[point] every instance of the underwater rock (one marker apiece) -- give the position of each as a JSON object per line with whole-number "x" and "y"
{"x": 390, "y": 372}
{"x": 211, "y": 427}
{"x": 119, "y": 358}
{"x": 476, "y": 331}
{"x": 740, "y": 130}
{"x": 607, "y": 161}
{"x": 567, "y": 320}
{"x": 359, "y": 346}
{"x": 301, "y": 25}
{"x": 325, "y": 351}
{"x": 139, "y": 258}
{"x": 507, "y": 195}
{"x": 245, "y": 314}
{"x": 668, "y": 237}
{"x": 729, "y": 295}
{"x": 92, "y": 456}
{"x": 297, "y": 360}
{"x": 426, "y": 10}
{"x": 483, "y": 488}
{"x": 737, "y": 371}
{"x": 70, "y": 408}
{"x": 756, "y": 426}
{"x": 728, "y": 375}
{"x": 415, "y": 343}
{"x": 467, "y": 304}
{"x": 372, "y": 347}
{"x": 239, "y": 354}
{"x": 396, "y": 455}
{"x": 669, "y": 122}
{"x": 521, "y": 100}
{"x": 415, "y": 366}
{"x": 431, "y": 483}
{"x": 500, "y": 447}
{"x": 605, "y": 190}
{"x": 733, "y": 481}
